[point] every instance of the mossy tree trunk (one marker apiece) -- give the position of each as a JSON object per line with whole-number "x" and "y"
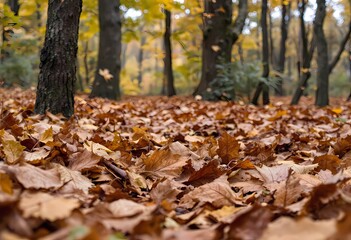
{"x": 110, "y": 46}
{"x": 57, "y": 76}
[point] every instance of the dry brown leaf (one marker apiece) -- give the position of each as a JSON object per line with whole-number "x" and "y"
{"x": 218, "y": 193}
{"x": 165, "y": 191}
{"x": 330, "y": 162}
{"x": 37, "y": 155}
{"x": 45, "y": 206}
{"x": 35, "y": 177}
{"x": 167, "y": 162}
{"x": 228, "y": 148}
{"x": 289, "y": 229}
{"x": 83, "y": 160}
{"x": 250, "y": 223}
{"x": 126, "y": 208}
{"x": 76, "y": 178}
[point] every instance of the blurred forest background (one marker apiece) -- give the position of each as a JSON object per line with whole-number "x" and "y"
{"x": 142, "y": 54}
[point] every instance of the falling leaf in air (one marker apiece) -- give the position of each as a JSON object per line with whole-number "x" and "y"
{"x": 105, "y": 73}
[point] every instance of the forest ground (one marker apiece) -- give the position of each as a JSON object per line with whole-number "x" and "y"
{"x": 160, "y": 168}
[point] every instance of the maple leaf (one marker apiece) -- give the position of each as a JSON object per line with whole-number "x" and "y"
{"x": 13, "y": 151}
{"x": 45, "y": 206}
{"x": 228, "y": 148}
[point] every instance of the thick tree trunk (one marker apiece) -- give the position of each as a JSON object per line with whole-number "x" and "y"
{"x": 284, "y": 36}
{"x": 57, "y": 74}
{"x": 109, "y": 59}
{"x": 265, "y": 58}
{"x": 305, "y": 73}
{"x": 322, "y": 95}
{"x": 219, "y": 35}
{"x": 168, "y": 71}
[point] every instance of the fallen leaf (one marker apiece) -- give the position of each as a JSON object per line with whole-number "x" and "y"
{"x": 228, "y": 148}
{"x": 13, "y": 151}
{"x": 304, "y": 228}
{"x": 46, "y": 206}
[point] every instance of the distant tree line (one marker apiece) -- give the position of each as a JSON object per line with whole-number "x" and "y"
{"x": 57, "y": 77}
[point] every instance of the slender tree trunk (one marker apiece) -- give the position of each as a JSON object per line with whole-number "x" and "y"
{"x": 141, "y": 56}
{"x": 307, "y": 55}
{"x": 109, "y": 59}
{"x": 272, "y": 58}
{"x": 284, "y": 36}
{"x": 86, "y": 64}
{"x": 57, "y": 74}
{"x": 342, "y": 45}
{"x": 7, "y": 30}
{"x": 168, "y": 71}
{"x": 322, "y": 95}
{"x": 261, "y": 87}
{"x": 219, "y": 35}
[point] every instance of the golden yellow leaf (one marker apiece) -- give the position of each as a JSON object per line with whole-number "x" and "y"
{"x": 5, "y": 183}
{"x": 13, "y": 151}
{"x": 47, "y": 136}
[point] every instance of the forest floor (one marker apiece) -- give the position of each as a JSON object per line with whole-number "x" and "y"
{"x": 159, "y": 168}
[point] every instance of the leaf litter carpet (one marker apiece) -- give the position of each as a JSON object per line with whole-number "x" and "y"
{"x": 159, "y": 168}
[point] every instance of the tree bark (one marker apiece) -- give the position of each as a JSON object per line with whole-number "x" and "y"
{"x": 305, "y": 72}
{"x": 322, "y": 95}
{"x": 284, "y": 36}
{"x": 219, "y": 35}
{"x": 57, "y": 74}
{"x": 109, "y": 57}
{"x": 265, "y": 58}
{"x": 168, "y": 71}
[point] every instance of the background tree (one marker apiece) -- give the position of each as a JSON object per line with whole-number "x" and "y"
{"x": 219, "y": 35}
{"x": 55, "y": 91}
{"x": 307, "y": 54}
{"x": 322, "y": 93}
{"x": 284, "y": 28}
{"x": 261, "y": 87}
{"x": 106, "y": 83}
{"x": 168, "y": 69}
